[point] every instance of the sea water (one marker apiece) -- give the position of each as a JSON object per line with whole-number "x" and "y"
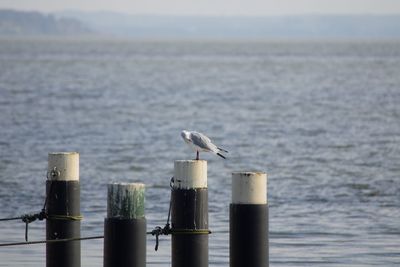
{"x": 322, "y": 118}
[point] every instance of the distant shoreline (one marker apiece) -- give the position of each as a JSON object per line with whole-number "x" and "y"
{"x": 108, "y": 38}
{"x": 153, "y": 27}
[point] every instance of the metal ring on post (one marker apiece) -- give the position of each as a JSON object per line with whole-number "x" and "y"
{"x": 53, "y": 173}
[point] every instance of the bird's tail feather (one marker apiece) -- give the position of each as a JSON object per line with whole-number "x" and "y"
{"x": 222, "y": 156}
{"x": 223, "y": 150}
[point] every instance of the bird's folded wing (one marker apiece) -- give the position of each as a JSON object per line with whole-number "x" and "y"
{"x": 202, "y": 141}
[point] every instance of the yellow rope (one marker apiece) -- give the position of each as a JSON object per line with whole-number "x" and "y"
{"x": 190, "y": 232}
{"x": 65, "y": 217}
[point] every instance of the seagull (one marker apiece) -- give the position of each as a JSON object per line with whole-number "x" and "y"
{"x": 200, "y": 142}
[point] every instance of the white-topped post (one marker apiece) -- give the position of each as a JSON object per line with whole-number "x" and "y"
{"x": 248, "y": 232}
{"x": 125, "y": 226}
{"x": 249, "y": 188}
{"x": 63, "y": 166}
{"x": 189, "y": 174}
{"x": 63, "y": 209}
{"x": 189, "y": 214}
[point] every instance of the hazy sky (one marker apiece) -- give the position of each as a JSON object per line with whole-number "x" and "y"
{"x": 213, "y": 7}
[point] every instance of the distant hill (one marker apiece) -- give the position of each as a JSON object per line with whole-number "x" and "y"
{"x": 236, "y": 27}
{"x": 16, "y": 23}
{"x": 299, "y": 26}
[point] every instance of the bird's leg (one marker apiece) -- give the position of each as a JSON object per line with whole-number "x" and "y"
{"x": 197, "y": 155}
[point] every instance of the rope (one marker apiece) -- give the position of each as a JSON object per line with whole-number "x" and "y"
{"x": 157, "y": 231}
{"x": 28, "y": 218}
{"x": 50, "y": 241}
{"x": 190, "y": 232}
{"x": 166, "y": 230}
{"x": 65, "y": 217}
{"x": 10, "y": 219}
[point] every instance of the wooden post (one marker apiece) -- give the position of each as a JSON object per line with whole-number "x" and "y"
{"x": 125, "y": 226}
{"x": 248, "y": 232}
{"x": 189, "y": 216}
{"x": 63, "y": 210}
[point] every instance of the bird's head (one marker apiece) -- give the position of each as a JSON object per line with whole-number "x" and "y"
{"x": 185, "y": 135}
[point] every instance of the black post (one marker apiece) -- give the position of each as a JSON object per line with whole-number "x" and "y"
{"x": 63, "y": 210}
{"x": 125, "y": 226}
{"x": 189, "y": 216}
{"x": 248, "y": 231}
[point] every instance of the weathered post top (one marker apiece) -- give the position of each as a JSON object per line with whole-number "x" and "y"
{"x": 125, "y": 200}
{"x": 125, "y": 226}
{"x": 249, "y": 188}
{"x": 190, "y": 174}
{"x": 63, "y": 166}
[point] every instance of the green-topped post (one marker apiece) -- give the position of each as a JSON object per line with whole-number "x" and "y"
{"x": 125, "y": 226}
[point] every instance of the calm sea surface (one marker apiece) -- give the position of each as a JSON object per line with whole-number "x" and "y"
{"x": 321, "y": 118}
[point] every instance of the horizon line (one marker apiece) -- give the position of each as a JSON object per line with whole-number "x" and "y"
{"x": 309, "y": 14}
